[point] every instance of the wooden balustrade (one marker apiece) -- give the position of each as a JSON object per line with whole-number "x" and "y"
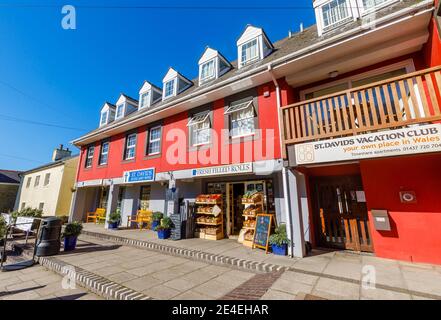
{"x": 392, "y": 103}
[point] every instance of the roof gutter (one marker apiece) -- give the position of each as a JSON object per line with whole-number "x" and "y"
{"x": 322, "y": 45}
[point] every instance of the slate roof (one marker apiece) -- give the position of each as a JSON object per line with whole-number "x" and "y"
{"x": 48, "y": 165}
{"x": 9, "y": 176}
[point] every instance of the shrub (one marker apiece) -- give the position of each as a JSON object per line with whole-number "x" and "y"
{"x": 166, "y": 223}
{"x": 73, "y": 229}
{"x": 28, "y": 212}
{"x": 115, "y": 216}
{"x": 157, "y": 216}
{"x": 2, "y": 227}
{"x": 279, "y": 237}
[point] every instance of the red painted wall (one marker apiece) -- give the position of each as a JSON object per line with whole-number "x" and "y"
{"x": 416, "y": 228}
{"x": 267, "y": 119}
{"x": 432, "y": 48}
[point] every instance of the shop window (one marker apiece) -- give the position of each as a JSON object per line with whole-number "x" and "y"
{"x": 129, "y": 152}
{"x": 120, "y": 198}
{"x": 241, "y": 117}
{"x": 144, "y": 198}
{"x": 154, "y": 141}
{"x": 102, "y": 202}
{"x": 104, "y": 153}
{"x": 199, "y": 128}
{"x": 89, "y": 156}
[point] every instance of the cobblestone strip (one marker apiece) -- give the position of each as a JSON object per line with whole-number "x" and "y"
{"x": 190, "y": 253}
{"x": 94, "y": 283}
{"x": 254, "y": 288}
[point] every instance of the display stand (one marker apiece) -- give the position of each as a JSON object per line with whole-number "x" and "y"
{"x": 253, "y": 206}
{"x": 209, "y": 217}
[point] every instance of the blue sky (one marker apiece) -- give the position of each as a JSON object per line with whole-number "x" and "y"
{"x": 63, "y": 77}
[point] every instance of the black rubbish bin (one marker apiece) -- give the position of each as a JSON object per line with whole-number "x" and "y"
{"x": 49, "y": 237}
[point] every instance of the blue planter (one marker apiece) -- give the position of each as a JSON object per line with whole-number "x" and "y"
{"x": 70, "y": 243}
{"x": 280, "y": 250}
{"x": 113, "y": 225}
{"x": 155, "y": 223}
{"x": 164, "y": 234}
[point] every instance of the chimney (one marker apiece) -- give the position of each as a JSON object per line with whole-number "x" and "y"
{"x": 61, "y": 153}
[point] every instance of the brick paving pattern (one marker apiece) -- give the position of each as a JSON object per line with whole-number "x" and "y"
{"x": 254, "y": 288}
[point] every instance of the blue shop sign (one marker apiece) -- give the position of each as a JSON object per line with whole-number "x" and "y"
{"x": 144, "y": 175}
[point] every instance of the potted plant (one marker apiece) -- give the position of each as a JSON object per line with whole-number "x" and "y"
{"x": 114, "y": 219}
{"x": 279, "y": 241}
{"x": 156, "y": 219}
{"x": 164, "y": 228}
{"x": 70, "y": 235}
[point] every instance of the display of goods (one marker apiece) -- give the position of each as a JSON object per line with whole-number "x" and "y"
{"x": 212, "y": 231}
{"x": 252, "y": 197}
{"x": 209, "y": 198}
{"x": 249, "y": 236}
{"x": 249, "y": 224}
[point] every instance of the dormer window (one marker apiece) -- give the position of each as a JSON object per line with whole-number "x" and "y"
{"x": 125, "y": 106}
{"x": 169, "y": 88}
{"x": 335, "y": 12}
{"x": 148, "y": 95}
{"x": 368, "y": 5}
{"x": 212, "y": 65}
{"x": 107, "y": 114}
{"x": 253, "y": 46}
{"x": 174, "y": 84}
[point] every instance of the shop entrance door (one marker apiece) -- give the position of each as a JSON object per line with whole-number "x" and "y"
{"x": 341, "y": 213}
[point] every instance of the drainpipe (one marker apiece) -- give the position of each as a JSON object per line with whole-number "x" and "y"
{"x": 284, "y": 172}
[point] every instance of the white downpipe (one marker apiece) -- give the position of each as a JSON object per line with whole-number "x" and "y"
{"x": 284, "y": 179}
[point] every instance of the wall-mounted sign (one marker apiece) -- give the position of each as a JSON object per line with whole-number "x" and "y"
{"x": 143, "y": 175}
{"x": 418, "y": 139}
{"x": 408, "y": 197}
{"x": 223, "y": 170}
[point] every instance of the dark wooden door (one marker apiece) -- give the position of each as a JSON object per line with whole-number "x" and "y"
{"x": 341, "y": 213}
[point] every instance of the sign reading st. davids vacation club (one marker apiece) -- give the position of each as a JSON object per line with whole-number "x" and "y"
{"x": 228, "y": 169}
{"x": 143, "y": 175}
{"x": 417, "y": 139}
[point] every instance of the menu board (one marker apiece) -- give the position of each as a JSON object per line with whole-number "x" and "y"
{"x": 262, "y": 231}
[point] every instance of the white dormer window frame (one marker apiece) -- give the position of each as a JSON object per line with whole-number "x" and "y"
{"x": 145, "y": 99}
{"x": 212, "y": 65}
{"x": 167, "y": 92}
{"x": 121, "y": 107}
{"x": 252, "y": 46}
{"x": 212, "y": 71}
{"x": 104, "y": 120}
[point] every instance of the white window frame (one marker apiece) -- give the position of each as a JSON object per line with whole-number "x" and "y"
{"x": 214, "y": 68}
{"x": 28, "y": 182}
{"x": 123, "y": 106}
{"x": 150, "y": 141}
{"x": 47, "y": 178}
{"x": 252, "y": 59}
{"x": 336, "y": 23}
{"x": 192, "y": 124}
{"x": 37, "y": 181}
{"x": 41, "y": 206}
{"x": 141, "y": 99}
{"x": 173, "y": 93}
{"x": 234, "y": 108}
{"x": 127, "y": 147}
{"x": 106, "y": 118}
{"x": 89, "y": 156}
{"x": 100, "y": 160}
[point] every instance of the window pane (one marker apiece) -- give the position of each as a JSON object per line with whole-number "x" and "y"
{"x": 169, "y": 88}
{"x": 242, "y": 121}
{"x": 368, "y": 4}
{"x": 145, "y": 97}
{"x": 334, "y": 12}
{"x": 103, "y": 118}
{"x": 249, "y": 51}
{"x": 208, "y": 70}
{"x": 119, "y": 110}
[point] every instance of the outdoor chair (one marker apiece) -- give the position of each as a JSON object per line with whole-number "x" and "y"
{"x": 142, "y": 217}
{"x": 97, "y": 216}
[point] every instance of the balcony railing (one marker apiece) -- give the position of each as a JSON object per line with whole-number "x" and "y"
{"x": 409, "y": 99}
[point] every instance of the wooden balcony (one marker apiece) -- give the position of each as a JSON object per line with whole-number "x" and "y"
{"x": 393, "y": 103}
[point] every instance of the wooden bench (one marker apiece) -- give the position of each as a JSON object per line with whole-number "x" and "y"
{"x": 141, "y": 217}
{"x": 98, "y": 215}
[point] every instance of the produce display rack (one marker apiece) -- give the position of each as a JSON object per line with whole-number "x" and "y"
{"x": 210, "y": 225}
{"x": 253, "y": 206}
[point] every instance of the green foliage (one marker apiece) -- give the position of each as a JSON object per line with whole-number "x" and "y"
{"x": 73, "y": 229}
{"x": 166, "y": 223}
{"x": 27, "y": 212}
{"x": 280, "y": 236}
{"x": 115, "y": 216}
{"x": 2, "y": 227}
{"x": 157, "y": 216}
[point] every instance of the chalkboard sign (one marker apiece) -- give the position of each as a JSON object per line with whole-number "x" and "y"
{"x": 262, "y": 231}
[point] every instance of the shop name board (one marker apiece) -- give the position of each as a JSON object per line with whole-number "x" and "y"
{"x": 144, "y": 175}
{"x": 415, "y": 140}
{"x": 223, "y": 170}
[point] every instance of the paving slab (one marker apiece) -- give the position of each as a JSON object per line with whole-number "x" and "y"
{"x": 336, "y": 290}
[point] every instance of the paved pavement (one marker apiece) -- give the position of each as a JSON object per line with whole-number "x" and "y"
{"x": 330, "y": 275}
{"x": 37, "y": 283}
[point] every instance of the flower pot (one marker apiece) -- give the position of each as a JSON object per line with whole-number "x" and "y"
{"x": 113, "y": 225}
{"x": 155, "y": 223}
{"x": 70, "y": 243}
{"x": 164, "y": 234}
{"x": 280, "y": 250}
